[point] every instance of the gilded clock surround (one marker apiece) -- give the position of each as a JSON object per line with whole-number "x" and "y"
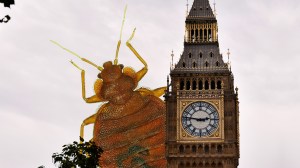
{"x": 217, "y": 136}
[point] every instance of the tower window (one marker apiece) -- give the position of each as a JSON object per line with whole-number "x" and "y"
{"x": 187, "y": 147}
{"x": 212, "y": 147}
{"x": 183, "y": 64}
{"x": 188, "y": 85}
{"x": 194, "y": 64}
{"x": 219, "y": 149}
{"x": 219, "y": 85}
{"x": 200, "y": 55}
{"x": 194, "y": 149}
{"x": 190, "y": 55}
{"x": 211, "y": 54}
{"x": 206, "y": 85}
{"x": 201, "y": 34}
{"x": 201, "y": 8}
{"x": 181, "y": 149}
{"x": 194, "y": 85}
{"x": 217, "y": 63}
{"x": 200, "y": 147}
{"x": 206, "y": 64}
{"x": 213, "y": 85}
{"x": 206, "y": 149}
{"x": 200, "y": 86}
{"x": 181, "y": 85}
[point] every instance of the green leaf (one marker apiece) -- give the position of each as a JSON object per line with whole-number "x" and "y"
{"x": 85, "y": 155}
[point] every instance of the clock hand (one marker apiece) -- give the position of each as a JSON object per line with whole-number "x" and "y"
{"x": 213, "y": 118}
{"x": 203, "y": 119}
{"x": 191, "y": 118}
{"x": 206, "y": 118}
{"x": 198, "y": 119}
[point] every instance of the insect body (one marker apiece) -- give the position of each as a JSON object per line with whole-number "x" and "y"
{"x": 130, "y": 127}
{"x": 130, "y": 120}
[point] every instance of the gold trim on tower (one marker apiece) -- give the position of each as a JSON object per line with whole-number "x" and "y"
{"x": 217, "y": 136}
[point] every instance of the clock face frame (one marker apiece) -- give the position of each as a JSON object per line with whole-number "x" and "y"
{"x": 200, "y": 119}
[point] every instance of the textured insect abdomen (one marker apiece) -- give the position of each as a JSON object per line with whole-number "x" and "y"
{"x": 133, "y": 134}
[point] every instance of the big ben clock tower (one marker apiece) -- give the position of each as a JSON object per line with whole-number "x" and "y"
{"x": 202, "y": 103}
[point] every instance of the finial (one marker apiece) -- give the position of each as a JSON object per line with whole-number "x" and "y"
{"x": 229, "y": 63}
{"x": 237, "y": 90}
{"x": 228, "y": 54}
{"x": 215, "y": 11}
{"x": 172, "y": 55}
{"x": 187, "y": 8}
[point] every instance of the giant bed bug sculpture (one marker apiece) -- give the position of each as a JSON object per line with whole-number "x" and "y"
{"x": 130, "y": 127}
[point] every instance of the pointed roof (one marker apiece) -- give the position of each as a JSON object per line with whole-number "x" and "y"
{"x": 201, "y": 57}
{"x": 201, "y": 11}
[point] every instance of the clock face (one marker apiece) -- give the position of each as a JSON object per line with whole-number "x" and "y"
{"x": 200, "y": 119}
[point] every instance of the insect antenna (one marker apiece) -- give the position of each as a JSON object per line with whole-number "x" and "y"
{"x": 83, "y": 59}
{"x": 119, "y": 42}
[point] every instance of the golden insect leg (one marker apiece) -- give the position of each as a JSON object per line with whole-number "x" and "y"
{"x": 156, "y": 92}
{"x": 90, "y": 120}
{"x": 140, "y": 74}
{"x": 159, "y": 91}
{"x": 92, "y": 99}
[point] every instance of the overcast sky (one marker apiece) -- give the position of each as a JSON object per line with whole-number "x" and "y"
{"x": 41, "y": 107}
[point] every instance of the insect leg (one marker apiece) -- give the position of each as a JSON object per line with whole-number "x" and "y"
{"x": 159, "y": 91}
{"x": 156, "y": 92}
{"x": 90, "y": 120}
{"x": 92, "y": 99}
{"x": 140, "y": 74}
